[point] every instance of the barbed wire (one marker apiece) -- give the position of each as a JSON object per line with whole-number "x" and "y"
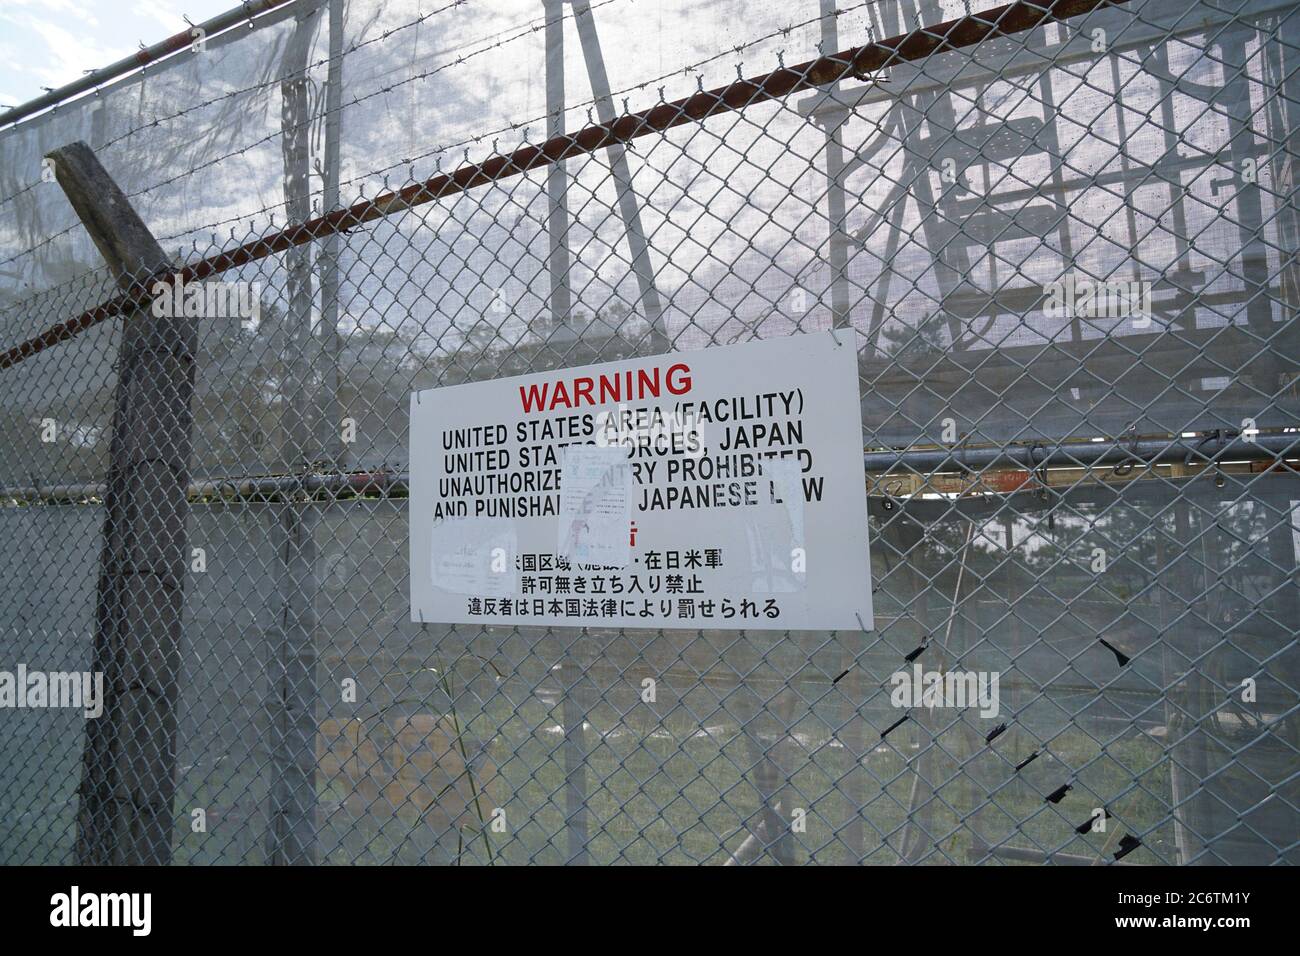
{"x": 475, "y": 139}
{"x": 859, "y": 62}
{"x": 313, "y": 66}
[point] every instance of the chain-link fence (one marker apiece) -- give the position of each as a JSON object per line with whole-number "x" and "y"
{"x": 1063, "y": 235}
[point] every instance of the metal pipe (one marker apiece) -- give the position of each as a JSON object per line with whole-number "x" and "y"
{"x": 1088, "y": 454}
{"x": 292, "y": 635}
{"x": 629, "y": 204}
{"x": 980, "y": 850}
{"x": 1074, "y": 454}
{"x": 328, "y": 261}
{"x": 858, "y": 61}
{"x": 142, "y": 58}
{"x": 573, "y": 709}
{"x": 333, "y": 483}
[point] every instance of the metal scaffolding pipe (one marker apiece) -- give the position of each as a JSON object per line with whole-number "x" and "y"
{"x": 1072, "y": 454}
{"x": 1203, "y": 449}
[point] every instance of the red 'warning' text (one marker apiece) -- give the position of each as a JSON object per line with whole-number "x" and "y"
{"x": 626, "y": 386}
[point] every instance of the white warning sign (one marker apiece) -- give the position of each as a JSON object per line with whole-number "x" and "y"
{"x": 714, "y": 489}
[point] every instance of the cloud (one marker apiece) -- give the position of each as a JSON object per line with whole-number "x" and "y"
{"x": 169, "y": 18}
{"x": 52, "y": 42}
{"x": 48, "y": 6}
{"x": 67, "y": 53}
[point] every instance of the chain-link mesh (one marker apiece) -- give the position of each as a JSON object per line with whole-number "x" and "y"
{"x": 1064, "y": 238}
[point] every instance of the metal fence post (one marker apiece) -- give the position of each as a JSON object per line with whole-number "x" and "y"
{"x": 837, "y": 254}
{"x": 129, "y": 764}
{"x": 328, "y": 261}
{"x": 573, "y": 713}
{"x": 291, "y": 837}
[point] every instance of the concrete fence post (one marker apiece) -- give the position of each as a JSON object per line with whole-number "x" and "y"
{"x": 128, "y": 779}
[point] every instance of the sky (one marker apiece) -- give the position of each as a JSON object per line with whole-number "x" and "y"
{"x": 52, "y": 42}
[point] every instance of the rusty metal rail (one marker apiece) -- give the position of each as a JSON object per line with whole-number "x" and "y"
{"x": 859, "y": 62}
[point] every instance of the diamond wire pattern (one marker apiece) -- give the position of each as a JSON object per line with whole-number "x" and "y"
{"x": 1124, "y": 684}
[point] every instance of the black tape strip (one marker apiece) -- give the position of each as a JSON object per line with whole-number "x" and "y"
{"x": 1057, "y": 795}
{"x": 1119, "y": 655}
{"x": 884, "y": 733}
{"x": 1127, "y": 844}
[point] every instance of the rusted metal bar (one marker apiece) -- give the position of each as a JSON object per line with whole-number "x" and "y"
{"x": 859, "y": 62}
{"x": 1264, "y": 449}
